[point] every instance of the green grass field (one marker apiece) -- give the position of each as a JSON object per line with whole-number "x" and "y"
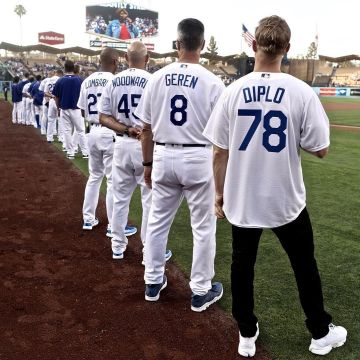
{"x": 333, "y": 186}
{"x": 343, "y": 117}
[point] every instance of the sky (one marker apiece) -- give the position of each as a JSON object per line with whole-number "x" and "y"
{"x": 335, "y": 23}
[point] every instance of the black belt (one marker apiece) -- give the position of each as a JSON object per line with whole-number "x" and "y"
{"x": 96, "y": 124}
{"x": 122, "y": 135}
{"x": 182, "y": 145}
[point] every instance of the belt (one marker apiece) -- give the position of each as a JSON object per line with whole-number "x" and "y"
{"x": 96, "y": 125}
{"x": 181, "y": 145}
{"x": 122, "y": 135}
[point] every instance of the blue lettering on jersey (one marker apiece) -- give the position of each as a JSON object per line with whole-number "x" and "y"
{"x": 181, "y": 80}
{"x": 95, "y": 82}
{"x": 257, "y": 93}
{"x": 129, "y": 81}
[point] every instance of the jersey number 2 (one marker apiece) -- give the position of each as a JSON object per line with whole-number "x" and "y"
{"x": 269, "y": 129}
{"x": 94, "y": 99}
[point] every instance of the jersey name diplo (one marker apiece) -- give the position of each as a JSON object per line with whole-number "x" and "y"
{"x": 181, "y": 80}
{"x": 96, "y": 82}
{"x": 257, "y": 93}
{"x": 129, "y": 80}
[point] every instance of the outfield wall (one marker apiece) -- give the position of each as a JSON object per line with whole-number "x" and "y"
{"x": 337, "y": 91}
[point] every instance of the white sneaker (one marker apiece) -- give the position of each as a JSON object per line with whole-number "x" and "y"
{"x": 247, "y": 346}
{"x": 336, "y": 337}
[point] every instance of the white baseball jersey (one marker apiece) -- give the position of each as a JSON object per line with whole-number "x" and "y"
{"x": 26, "y": 88}
{"x": 91, "y": 91}
{"x": 48, "y": 88}
{"x": 42, "y": 88}
{"x": 264, "y": 119}
{"x": 122, "y": 104}
{"x": 174, "y": 118}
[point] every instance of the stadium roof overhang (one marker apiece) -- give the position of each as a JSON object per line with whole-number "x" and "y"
{"x": 339, "y": 59}
{"x": 88, "y": 52}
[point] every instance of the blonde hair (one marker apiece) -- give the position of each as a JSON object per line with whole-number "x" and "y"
{"x": 272, "y": 35}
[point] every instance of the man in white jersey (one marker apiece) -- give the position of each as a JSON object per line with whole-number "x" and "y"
{"x": 117, "y": 107}
{"x": 258, "y": 128}
{"x": 28, "y": 117}
{"x": 51, "y": 108}
{"x": 44, "y": 116}
{"x": 100, "y": 139}
{"x": 175, "y": 107}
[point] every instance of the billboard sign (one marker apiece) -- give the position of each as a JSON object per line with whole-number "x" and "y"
{"x": 51, "y": 38}
{"x": 115, "y": 44}
{"x": 121, "y": 20}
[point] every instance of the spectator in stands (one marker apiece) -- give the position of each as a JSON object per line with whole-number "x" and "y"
{"x": 122, "y": 28}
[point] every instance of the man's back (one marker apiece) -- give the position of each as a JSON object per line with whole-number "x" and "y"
{"x": 178, "y": 102}
{"x": 123, "y": 94}
{"x": 91, "y": 90}
{"x": 266, "y": 119}
{"x": 67, "y": 89}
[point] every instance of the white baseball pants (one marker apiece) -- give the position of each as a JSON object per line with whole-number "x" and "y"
{"x": 16, "y": 112}
{"x": 72, "y": 120}
{"x": 52, "y": 114}
{"x": 127, "y": 173}
{"x": 177, "y": 172}
{"x": 101, "y": 149}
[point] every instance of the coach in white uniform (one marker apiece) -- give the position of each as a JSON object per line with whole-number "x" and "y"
{"x": 258, "y": 127}
{"x": 100, "y": 139}
{"x": 51, "y": 108}
{"x": 175, "y": 107}
{"x": 117, "y": 107}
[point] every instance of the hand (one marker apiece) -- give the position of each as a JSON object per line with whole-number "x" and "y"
{"x": 134, "y": 132}
{"x": 147, "y": 176}
{"x": 219, "y": 202}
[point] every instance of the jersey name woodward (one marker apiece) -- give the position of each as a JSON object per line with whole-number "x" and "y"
{"x": 130, "y": 81}
{"x": 122, "y": 96}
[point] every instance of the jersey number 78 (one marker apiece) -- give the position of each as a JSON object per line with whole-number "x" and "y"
{"x": 270, "y": 131}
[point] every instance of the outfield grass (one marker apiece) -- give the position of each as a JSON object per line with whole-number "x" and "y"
{"x": 342, "y": 117}
{"x": 333, "y": 187}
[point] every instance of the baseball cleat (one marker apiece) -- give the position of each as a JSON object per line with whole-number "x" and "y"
{"x": 70, "y": 156}
{"x": 247, "y": 347}
{"x": 117, "y": 256}
{"x": 152, "y": 291}
{"x": 202, "y": 302}
{"x": 108, "y": 232}
{"x": 88, "y": 225}
{"x": 130, "y": 230}
{"x": 85, "y": 156}
{"x": 336, "y": 337}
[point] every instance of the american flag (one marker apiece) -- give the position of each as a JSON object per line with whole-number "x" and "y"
{"x": 247, "y": 35}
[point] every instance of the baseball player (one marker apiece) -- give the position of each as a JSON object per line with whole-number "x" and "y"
{"x": 44, "y": 116}
{"x": 100, "y": 141}
{"x": 52, "y": 110}
{"x": 66, "y": 92}
{"x": 258, "y": 128}
{"x": 117, "y": 106}
{"x": 20, "y": 87}
{"x": 37, "y": 99}
{"x": 175, "y": 107}
{"x": 16, "y": 98}
{"x": 28, "y": 118}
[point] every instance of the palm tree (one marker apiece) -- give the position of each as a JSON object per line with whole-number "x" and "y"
{"x": 20, "y": 11}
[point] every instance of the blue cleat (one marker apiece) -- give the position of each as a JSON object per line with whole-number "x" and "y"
{"x": 152, "y": 291}
{"x": 202, "y": 302}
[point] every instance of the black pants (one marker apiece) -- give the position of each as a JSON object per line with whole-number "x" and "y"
{"x": 297, "y": 240}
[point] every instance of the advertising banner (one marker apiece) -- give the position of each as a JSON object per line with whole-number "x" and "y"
{"x": 51, "y": 38}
